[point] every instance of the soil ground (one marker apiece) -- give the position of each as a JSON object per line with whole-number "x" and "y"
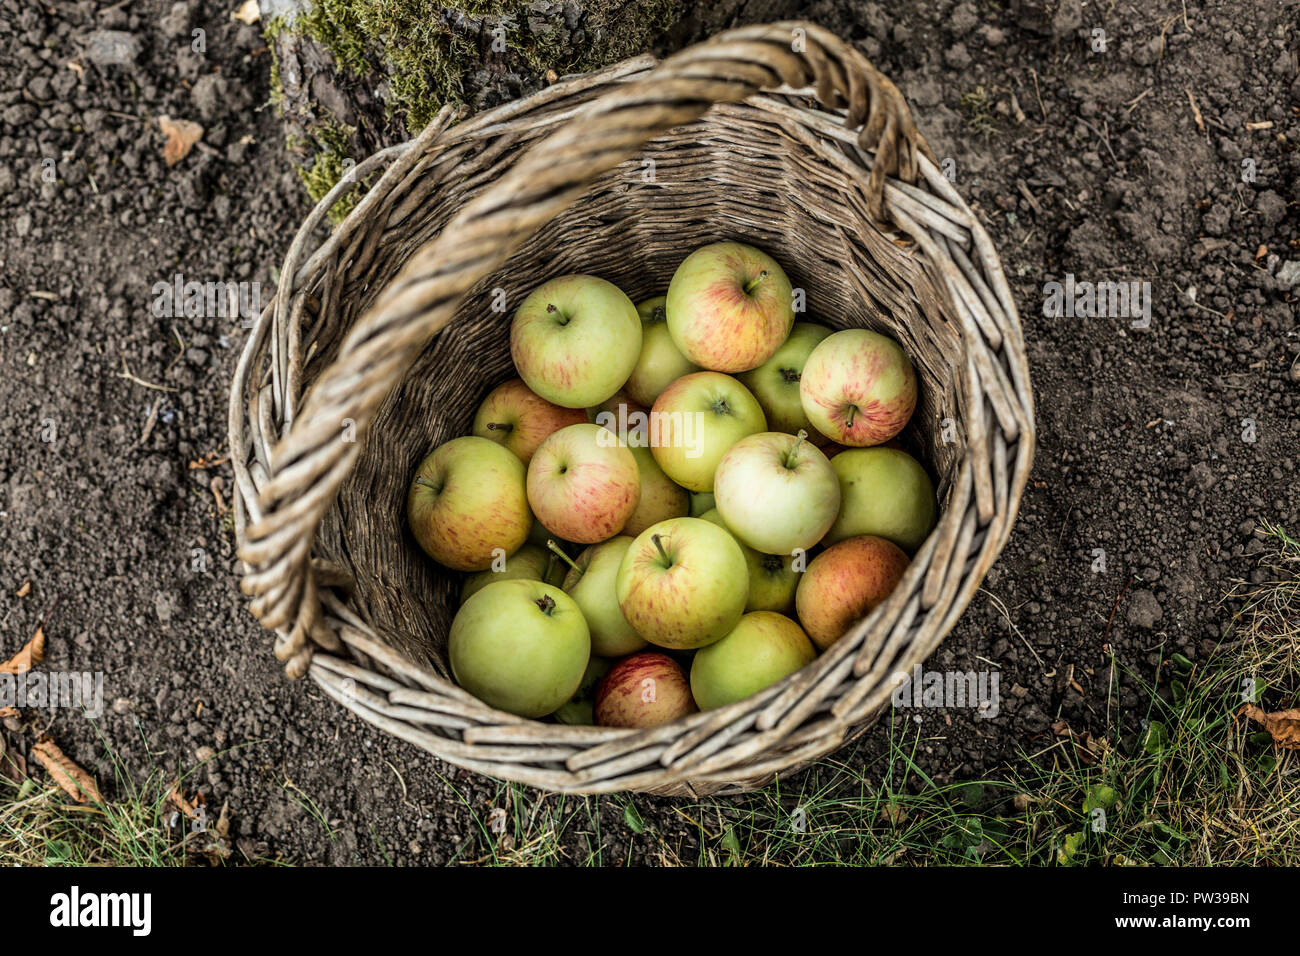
{"x": 1165, "y": 447}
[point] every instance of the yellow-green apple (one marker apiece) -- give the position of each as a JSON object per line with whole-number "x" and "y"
{"x": 885, "y": 492}
{"x": 468, "y": 504}
{"x": 591, "y": 582}
{"x": 695, "y": 420}
{"x": 530, "y": 563}
{"x": 661, "y": 497}
{"x": 683, "y": 583}
{"x": 701, "y": 501}
{"x": 760, "y": 650}
{"x": 515, "y": 416}
{"x": 730, "y": 306}
{"x": 579, "y": 709}
{"x": 858, "y": 388}
{"x": 772, "y": 577}
{"x": 618, "y": 407}
{"x": 660, "y": 362}
{"x": 775, "y": 383}
{"x": 777, "y": 492}
{"x": 644, "y": 690}
{"x": 520, "y": 646}
{"x": 583, "y": 484}
{"x": 844, "y": 584}
{"x": 575, "y": 340}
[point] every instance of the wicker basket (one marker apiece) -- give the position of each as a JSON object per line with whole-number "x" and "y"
{"x": 382, "y": 340}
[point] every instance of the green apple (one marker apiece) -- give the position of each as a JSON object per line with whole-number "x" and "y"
{"x": 645, "y": 690}
{"x": 583, "y": 484}
{"x": 660, "y": 362}
{"x": 575, "y": 340}
{"x": 844, "y": 584}
{"x": 773, "y": 579}
{"x": 775, "y": 383}
{"x": 884, "y": 492}
{"x": 695, "y": 420}
{"x": 858, "y": 388}
{"x": 592, "y": 583}
{"x": 515, "y": 416}
{"x": 761, "y": 649}
{"x": 468, "y": 504}
{"x": 529, "y": 563}
{"x": 661, "y": 497}
{"x": 683, "y": 583}
{"x": 580, "y": 708}
{"x": 520, "y": 646}
{"x": 730, "y": 306}
{"x": 701, "y": 501}
{"x": 777, "y": 492}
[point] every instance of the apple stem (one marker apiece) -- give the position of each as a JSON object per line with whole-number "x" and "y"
{"x": 660, "y": 545}
{"x": 853, "y": 409}
{"x": 560, "y": 552}
{"x": 421, "y": 480}
{"x": 793, "y": 453}
{"x": 749, "y": 286}
{"x": 500, "y": 427}
{"x": 546, "y": 603}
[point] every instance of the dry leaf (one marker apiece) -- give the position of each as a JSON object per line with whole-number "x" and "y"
{"x": 175, "y": 800}
{"x": 25, "y": 590}
{"x": 12, "y": 764}
{"x": 1284, "y": 725}
{"x": 247, "y": 12}
{"x": 181, "y": 137}
{"x": 8, "y": 712}
{"x": 28, "y": 657}
{"x": 76, "y": 782}
{"x": 210, "y": 460}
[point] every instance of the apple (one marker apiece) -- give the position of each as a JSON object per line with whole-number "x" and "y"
{"x": 695, "y": 420}
{"x": 775, "y": 383}
{"x": 683, "y": 583}
{"x": 883, "y": 492}
{"x": 644, "y": 690}
{"x": 529, "y": 563}
{"x": 467, "y": 500}
{"x": 591, "y": 582}
{"x": 660, "y": 362}
{"x": 702, "y": 501}
{"x": 760, "y": 650}
{"x": 844, "y": 583}
{"x": 620, "y": 407}
{"x": 515, "y": 416}
{"x": 575, "y": 340}
{"x": 772, "y": 577}
{"x": 730, "y": 306}
{"x": 858, "y": 388}
{"x": 520, "y": 646}
{"x": 661, "y": 497}
{"x": 583, "y": 484}
{"x": 579, "y": 709}
{"x": 777, "y": 492}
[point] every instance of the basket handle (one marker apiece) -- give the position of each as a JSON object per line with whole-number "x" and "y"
{"x": 311, "y": 462}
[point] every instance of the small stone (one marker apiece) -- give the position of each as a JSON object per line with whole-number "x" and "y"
{"x": 1288, "y": 274}
{"x": 1144, "y": 610}
{"x": 111, "y": 47}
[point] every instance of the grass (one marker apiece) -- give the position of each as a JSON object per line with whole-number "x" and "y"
{"x": 1188, "y": 781}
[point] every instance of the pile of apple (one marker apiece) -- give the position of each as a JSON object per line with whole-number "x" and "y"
{"x": 693, "y": 485}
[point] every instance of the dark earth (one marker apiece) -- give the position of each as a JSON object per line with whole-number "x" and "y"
{"x": 1125, "y": 164}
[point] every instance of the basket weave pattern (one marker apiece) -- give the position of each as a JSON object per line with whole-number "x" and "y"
{"x": 382, "y": 339}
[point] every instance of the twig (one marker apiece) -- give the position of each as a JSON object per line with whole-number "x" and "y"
{"x": 1037, "y": 96}
{"x": 126, "y": 374}
{"x": 1116, "y": 607}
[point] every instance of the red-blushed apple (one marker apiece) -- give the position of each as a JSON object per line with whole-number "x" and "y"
{"x": 772, "y": 577}
{"x": 776, "y": 492}
{"x": 761, "y": 649}
{"x": 530, "y": 563}
{"x": 575, "y": 340}
{"x": 660, "y": 362}
{"x": 580, "y": 708}
{"x": 858, "y": 388}
{"x": 683, "y": 583}
{"x": 515, "y": 416}
{"x": 844, "y": 584}
{"x": 644, "y": 690}
{"x": 730, "y": 306}
{"x": 661, "y": 497}
{"x": 695, "y": 420}
{"x": 583, "y": 484}
{"x": 468, "y": 504}
{"x": 775, "y": 383}
{"x": 520, "y": 646}
{"x": 591, "y": 582}
{"x": 884, "y": 492}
